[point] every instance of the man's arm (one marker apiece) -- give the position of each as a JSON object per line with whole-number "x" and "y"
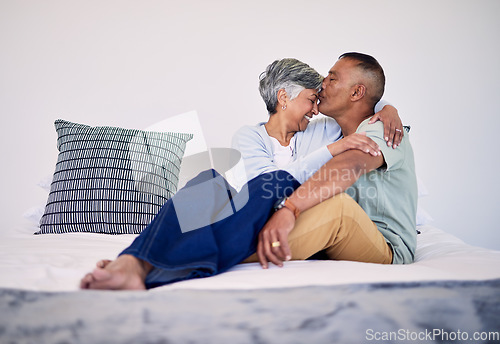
{"x": 334, "y": 177}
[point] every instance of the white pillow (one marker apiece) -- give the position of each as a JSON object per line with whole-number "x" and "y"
{"x": 423, "y": 217}
{"x": 34, "y": 214}
{"x": 45, "y": 182}
{"x": 422, "y": 189}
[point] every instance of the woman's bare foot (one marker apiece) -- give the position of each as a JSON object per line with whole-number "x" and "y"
{"x": 125, "y": 273}
{"x": 103, "y": 263}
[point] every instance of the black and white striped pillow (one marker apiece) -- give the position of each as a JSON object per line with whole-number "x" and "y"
{"x": 110, "y": 180}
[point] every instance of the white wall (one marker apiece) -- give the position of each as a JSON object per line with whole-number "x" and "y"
{"x": 133, "y": 63}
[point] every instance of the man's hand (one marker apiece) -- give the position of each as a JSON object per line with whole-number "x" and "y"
{"x": 393, "y": 127}
{"x": 273, "y": 238}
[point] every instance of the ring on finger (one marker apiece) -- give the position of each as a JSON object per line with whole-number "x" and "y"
{"x": 275, "y": 244}
{"x": 398, "y": 130}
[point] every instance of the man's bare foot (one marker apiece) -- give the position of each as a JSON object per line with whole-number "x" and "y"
{"x": 125, "y": 273}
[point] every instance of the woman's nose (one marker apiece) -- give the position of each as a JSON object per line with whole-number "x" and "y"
{"x": 315, "y": 109}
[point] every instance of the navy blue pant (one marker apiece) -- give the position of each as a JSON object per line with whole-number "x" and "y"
{"x": 207, "y": 228}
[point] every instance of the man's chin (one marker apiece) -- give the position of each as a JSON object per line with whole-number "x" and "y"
{"x": 322, "y": 109}
{"x": 327, "y": 114}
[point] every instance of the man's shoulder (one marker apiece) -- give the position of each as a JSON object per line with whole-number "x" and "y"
{"x": 394, "y": 157}
{"x": 373, "y": 128}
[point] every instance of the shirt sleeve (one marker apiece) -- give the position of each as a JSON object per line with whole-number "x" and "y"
{"x": 255, "y": 152}
{"x": 305, "y": 167}
{"x": 393, "y": 157}
{"x": 257, "y": 155}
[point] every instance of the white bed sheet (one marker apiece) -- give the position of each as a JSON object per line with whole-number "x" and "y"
{"x": 56, "y": 262}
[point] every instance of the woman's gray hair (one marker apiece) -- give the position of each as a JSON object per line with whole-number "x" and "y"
{"x": 289, "y": 74}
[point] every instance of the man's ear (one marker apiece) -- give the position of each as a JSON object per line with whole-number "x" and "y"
{"x": 358, "y": 92}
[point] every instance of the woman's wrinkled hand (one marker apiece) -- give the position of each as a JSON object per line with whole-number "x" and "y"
{"x": 357, "y": 141}
{"x": 393, "y": 127}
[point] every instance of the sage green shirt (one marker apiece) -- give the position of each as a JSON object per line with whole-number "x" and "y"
{"x": 389, "y": 194}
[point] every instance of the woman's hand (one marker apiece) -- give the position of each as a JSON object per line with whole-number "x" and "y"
{"x": 393, "y": 127}
{"x": 354, "y": 141}
{"x": 273, "y": 239}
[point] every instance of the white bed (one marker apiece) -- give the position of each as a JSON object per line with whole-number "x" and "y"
{"x": 451, "y": 282}
{"x": 56, "y": 262}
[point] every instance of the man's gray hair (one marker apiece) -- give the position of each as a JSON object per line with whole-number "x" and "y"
{"x": 289, "y": 74}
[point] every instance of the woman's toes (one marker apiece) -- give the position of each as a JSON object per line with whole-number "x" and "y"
{"x": 103, "y": 263}
{"x": 86, "y": 280}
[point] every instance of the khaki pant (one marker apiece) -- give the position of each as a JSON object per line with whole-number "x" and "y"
{"x": 341, "y": 228}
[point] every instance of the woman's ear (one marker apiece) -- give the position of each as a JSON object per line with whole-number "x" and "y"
{"x": 358, "y": 92}
{"x": 282, "y": 98}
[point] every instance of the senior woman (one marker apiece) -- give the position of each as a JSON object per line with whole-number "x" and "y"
{"x": 288, "y": 141}
{"x": 165, "y": 252}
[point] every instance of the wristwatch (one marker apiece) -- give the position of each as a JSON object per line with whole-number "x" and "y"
{"x": 286, "y": 203}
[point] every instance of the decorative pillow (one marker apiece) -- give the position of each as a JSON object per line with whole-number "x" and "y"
{"x": 187, "y": 122}
{"x": 196, "y": 157}
{"x": 111, "y": 180}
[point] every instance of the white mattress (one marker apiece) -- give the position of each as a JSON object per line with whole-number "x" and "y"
{"x": 56, "y": 262}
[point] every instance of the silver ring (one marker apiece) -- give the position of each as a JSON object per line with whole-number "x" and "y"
{"x": 399, "y": 130}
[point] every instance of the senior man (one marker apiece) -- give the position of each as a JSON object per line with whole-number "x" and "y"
{"x": 357, "y": 207}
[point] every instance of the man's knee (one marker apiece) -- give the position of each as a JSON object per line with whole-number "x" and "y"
{"x": 339, "y": 201}
{"x": 332, "y": 209}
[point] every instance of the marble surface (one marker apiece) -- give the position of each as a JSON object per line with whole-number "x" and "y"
{"x": 354, "y": 313}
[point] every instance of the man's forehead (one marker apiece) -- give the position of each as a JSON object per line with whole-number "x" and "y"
{"x": 339, "y": 65}
{"x": 333, "y": 71}
{"x": 334, "y": 68}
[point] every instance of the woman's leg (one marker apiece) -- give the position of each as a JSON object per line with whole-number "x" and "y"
{"x": 230, "y": 236}
{"x": 130, "y": 269}
{"x": 227, "y": 235}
